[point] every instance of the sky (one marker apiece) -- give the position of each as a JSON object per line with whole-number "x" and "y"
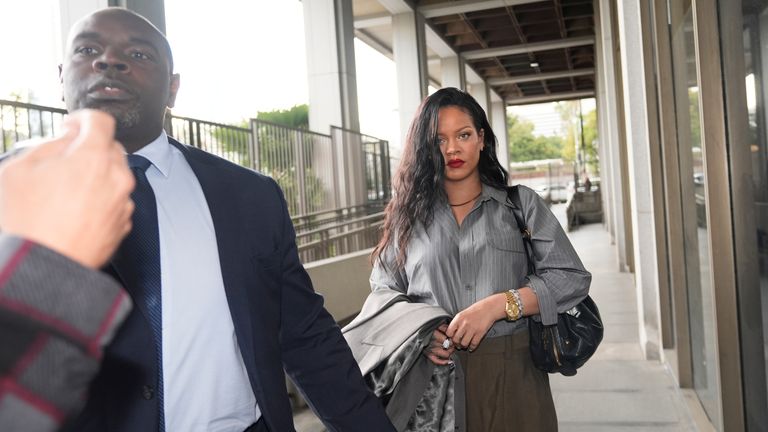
{"x": 235, "y": 58}
{"x": 545, "y": 118}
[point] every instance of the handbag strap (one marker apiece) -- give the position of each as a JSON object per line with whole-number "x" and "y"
{"x": 513, "y": 194}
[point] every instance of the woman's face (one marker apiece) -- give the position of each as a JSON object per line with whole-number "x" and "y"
{"x": 460, "y": 143}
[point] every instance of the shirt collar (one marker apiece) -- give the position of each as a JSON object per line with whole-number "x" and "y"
{"x": 487, "y": 193}
{"x": 159, "y": 153}
{"x": 491, "y": 193}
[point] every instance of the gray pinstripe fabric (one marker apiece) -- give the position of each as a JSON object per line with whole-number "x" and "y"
{"x": 453, "y": 267}
{"x": 45, "y": 379}
{"x": 61, "y": 294}
{"x": 19, "y": 416}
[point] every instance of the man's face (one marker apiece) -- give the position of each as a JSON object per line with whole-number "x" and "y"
{"x": 116, "y": 62}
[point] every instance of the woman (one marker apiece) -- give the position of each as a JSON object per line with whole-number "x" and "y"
{"x": 450, "y": 239}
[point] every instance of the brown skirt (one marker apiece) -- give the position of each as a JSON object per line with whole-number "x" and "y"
{"x": 504, "y": 390}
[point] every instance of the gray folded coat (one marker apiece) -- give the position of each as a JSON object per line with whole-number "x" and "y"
{"x": 387, "y": 339}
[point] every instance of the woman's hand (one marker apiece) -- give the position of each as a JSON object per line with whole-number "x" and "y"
{"x": 469, "y": 326}
{"x": 436, "y": 351}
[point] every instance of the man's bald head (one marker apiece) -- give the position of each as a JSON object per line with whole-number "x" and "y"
{"x": 125, "y": 14}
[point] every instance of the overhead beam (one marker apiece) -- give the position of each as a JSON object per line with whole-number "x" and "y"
{"x": 436, "y": 43}
{"x": 374, "y": 43}
{"x": 464, "y": 6}
{"x": 530, "y": 47}
{"x": 373, "y": 20}
{"x": 396, "y": 6}
{"x": 551, "y": 97}
{"x": 541, "y": 76}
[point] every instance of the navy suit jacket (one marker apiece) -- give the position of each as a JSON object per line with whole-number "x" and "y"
{"x": 279, "y": 320}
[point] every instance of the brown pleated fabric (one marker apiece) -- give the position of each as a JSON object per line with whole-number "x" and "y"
{"x": 504, "y": 390}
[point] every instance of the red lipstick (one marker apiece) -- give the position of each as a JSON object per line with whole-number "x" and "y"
{"x": 455, "y": 163}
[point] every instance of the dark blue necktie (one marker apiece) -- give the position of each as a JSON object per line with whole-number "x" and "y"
{"x": 138, "y": 261}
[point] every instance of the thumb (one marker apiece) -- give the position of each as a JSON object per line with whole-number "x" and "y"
{"x": 96, "y": 130}
{"x": 451, "y": 330}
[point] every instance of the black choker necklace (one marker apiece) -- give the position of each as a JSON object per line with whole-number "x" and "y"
{"x": 466, "y": 202}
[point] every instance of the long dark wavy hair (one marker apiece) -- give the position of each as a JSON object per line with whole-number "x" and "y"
{"x": 420, "y": 177}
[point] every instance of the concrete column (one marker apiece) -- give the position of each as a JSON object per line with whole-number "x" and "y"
{"x": 604, "y": 130}
{"x": 330, "y": 50}
{"x": 153, "y": 10}
{"x": 351, "y": 185}
{"x": 499, "y": 125}
{"x": 635, "y": 62}
{"x": 70, "y": 11}
{"x": 453, "y": 72}
{"x": 615, "y": 178}
{"x": 409, "y": 48}
{"x": 481, "y": 92}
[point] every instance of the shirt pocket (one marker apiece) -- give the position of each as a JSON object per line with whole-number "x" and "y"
{"x": 506, "y": 260}
{"x": 506, "y": 241}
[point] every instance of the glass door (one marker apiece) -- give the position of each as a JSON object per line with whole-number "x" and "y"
{"x": 703, "y": 338}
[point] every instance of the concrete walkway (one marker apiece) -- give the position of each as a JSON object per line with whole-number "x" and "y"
{"x": 617, "y": 390}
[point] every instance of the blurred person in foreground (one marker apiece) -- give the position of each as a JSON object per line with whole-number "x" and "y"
{"x": 224, "y": 307}
{"x": 64, "y": 208}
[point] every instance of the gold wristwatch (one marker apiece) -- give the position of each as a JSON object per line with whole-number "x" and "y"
{"x": 512, "y": 306}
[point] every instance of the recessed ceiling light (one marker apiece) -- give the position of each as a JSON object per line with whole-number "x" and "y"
{"x": 534, "y": 64}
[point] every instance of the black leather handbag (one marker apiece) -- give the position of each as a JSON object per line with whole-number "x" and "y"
{"x": 567, "y": 345}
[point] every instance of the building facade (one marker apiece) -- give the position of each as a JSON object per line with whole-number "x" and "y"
{"x": 682, "y": 117}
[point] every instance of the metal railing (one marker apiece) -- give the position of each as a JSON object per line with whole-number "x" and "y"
{"x": 311, "y": 168}
{"x": 377, "y": 169}
{"x": 325, "y": 218}
{"x": 21, "y": 121}
{"x": 301, "y": 161}
{"x": 339, "y": 239}
{"x": 229, "y": 142}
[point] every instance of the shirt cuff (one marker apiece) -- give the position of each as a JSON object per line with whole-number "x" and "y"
{"x": 547, "y": 304}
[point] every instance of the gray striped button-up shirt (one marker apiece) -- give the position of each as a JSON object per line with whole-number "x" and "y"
{"x": 454, "y": 266}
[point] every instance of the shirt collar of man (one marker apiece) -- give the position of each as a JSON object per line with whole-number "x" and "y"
{"x": 159, "y": 153}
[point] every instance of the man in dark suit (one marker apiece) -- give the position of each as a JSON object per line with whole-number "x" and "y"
{"x": 223, "y": 304}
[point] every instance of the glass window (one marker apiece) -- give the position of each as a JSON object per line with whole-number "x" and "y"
{"x": 694, "y": 205}
{"x": 755, "y": 17}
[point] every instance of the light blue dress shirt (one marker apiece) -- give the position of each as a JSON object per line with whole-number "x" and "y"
{"x": 204, "y": 376}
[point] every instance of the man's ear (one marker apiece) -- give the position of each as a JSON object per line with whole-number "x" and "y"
{"x": 173, "y": 89}
{"x": 61, "y": 80}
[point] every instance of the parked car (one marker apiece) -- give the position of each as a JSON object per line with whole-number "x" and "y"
{"x": 553, "y": 194}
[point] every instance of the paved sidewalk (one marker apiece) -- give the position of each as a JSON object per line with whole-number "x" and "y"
{"x": 617, "y": 390}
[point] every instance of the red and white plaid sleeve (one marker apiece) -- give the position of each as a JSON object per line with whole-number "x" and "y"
{"x": 55, "y": 318}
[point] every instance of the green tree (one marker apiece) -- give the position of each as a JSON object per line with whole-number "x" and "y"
{"x": 525, "y": 146}
{"x": 569, "y": 114}
{"x": 295, "y": 117}
{"x": 573, "y": 134}
{"x": 693, "y": 113}
{"x": 591, "y": 142}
